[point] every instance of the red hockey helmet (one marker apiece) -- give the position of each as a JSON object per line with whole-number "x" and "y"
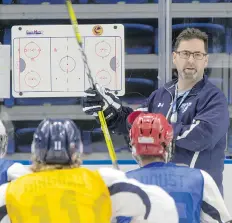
{"x": 150, "y": 134}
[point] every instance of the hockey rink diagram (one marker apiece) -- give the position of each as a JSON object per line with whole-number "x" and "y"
{"x": 53, "y": 66}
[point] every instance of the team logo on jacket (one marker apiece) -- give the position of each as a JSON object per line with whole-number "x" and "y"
{"x": 160, "y": 105}
{"x": 185, "y": 106}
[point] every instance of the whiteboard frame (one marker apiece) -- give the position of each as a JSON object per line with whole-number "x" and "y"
{"x": 66, "y": 31}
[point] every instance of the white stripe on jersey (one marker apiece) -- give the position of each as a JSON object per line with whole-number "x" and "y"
{"x": 3, "y": 213}
{"x": 213, "y": 207}
{"x": 194, "y": 124}
{"x": 129, "y": 201}
{"x": 6, "y": 219}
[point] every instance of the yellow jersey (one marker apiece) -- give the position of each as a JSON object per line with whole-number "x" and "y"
{"x": 59, "y": 196}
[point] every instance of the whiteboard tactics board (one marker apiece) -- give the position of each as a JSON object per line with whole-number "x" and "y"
{"x": 46, "y": 61}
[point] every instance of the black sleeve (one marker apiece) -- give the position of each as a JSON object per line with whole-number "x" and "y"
{"x": 3, "y": 212}
{"x": 119, "y": 123}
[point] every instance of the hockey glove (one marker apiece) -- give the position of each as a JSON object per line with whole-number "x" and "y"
{"x": 99, "y": 99}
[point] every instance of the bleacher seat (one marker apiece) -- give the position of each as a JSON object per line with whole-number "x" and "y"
{"x": 23, "y": 139}
{"x": 40, "y": 1}
{"x": 138, "y": 89}
{"x": 7, "y": 37}
{"x": 216, "y": 33}
{"x": 24, "y": 136}
{"x": 94, "y": 142}
{"x": 139, "y": 38}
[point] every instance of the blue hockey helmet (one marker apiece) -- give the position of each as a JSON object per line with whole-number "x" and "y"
{"x": 55, "y": 141}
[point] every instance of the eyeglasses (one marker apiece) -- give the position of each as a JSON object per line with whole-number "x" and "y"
{"x": 186, "y": 54}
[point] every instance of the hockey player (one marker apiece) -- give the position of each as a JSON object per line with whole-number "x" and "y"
{"x": 9, "y": 170}
{"x": 59, "y": 190}
{"x": 197, "y": 197}
{"x": 4, "y": 164}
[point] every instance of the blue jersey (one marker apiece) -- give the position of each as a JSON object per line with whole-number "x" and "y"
{"x": 4, "y": 166}
{"x": 190, "y": 188}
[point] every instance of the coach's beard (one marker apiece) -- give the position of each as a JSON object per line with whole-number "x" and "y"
{"x": 189, "y": 74}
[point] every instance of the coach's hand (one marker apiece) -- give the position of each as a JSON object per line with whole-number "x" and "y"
{"x": 99, "y": 99}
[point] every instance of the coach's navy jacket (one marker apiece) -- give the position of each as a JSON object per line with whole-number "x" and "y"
{"x": 201, "y": 127}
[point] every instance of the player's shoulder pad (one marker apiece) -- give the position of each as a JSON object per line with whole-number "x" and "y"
{"x": 110, "y": 175}
{"x": 17, "y": 170}
{"x": 3, "y": 188}
{"x": 207, "y": 178}
{"x": 133, "y": 170}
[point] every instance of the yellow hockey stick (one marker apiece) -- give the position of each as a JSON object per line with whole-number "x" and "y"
{"x": 88, "y": 72}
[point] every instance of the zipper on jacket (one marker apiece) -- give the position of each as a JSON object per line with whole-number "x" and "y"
{"x": 168, "y": 116}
